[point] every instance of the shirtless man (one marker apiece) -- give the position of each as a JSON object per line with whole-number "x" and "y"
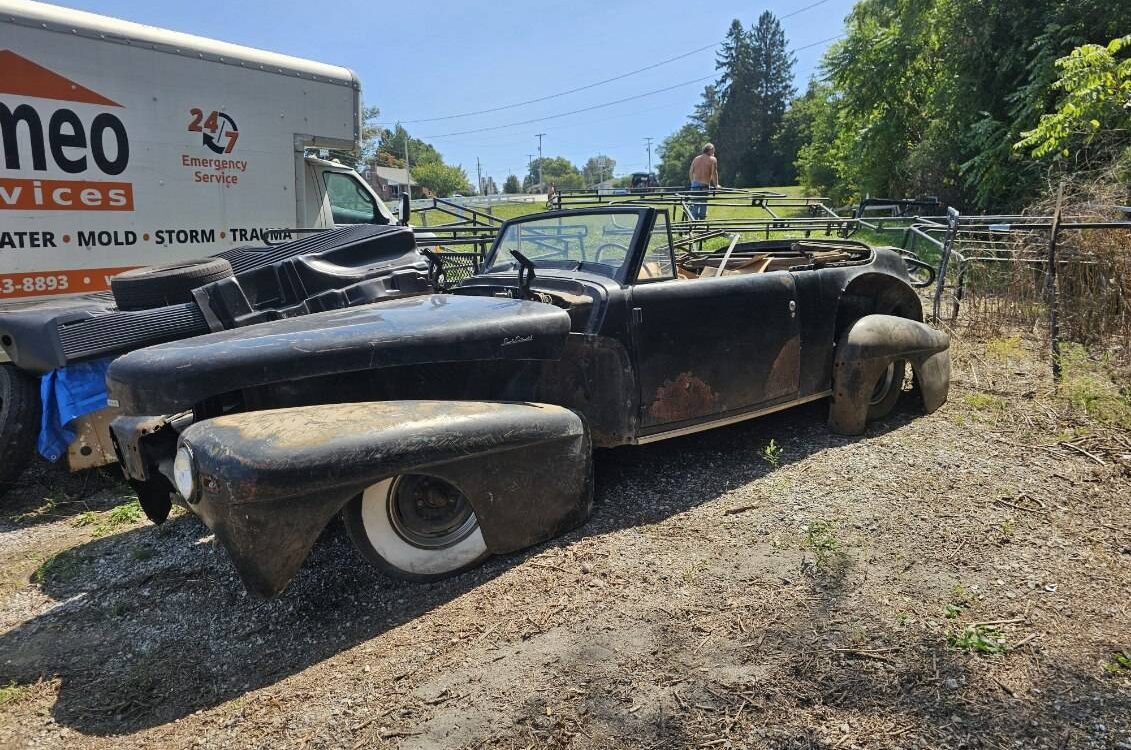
{"x": 704, "y": 173}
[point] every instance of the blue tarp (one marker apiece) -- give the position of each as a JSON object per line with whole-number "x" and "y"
{"x": 67, "y": 394}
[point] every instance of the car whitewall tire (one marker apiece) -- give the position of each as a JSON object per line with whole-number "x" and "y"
{"x": 416, "y": 527}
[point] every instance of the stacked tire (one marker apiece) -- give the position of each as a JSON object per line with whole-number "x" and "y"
{"x": 157, "y": 286}
{"x": 19, "y": 422}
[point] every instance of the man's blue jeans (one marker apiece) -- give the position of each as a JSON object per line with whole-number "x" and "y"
{"x": 699, "y": 206}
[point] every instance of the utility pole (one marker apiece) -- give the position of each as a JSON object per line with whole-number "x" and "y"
{"x": 479, "y": 175}
{"x": 407, "y": 169}
{"x": 540, "y": 159}
{"x": 649, "y": 142}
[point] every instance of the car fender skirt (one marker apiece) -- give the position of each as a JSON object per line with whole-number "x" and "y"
{"x": 268, "y": 482}
{"x": 864, "y": 352}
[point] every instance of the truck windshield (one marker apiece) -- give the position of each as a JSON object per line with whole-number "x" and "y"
{"x": 349, "y": 203}
{"x": 598, "y": 243}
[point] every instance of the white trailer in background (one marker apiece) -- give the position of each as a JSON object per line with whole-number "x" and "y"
{"x": 124, "y": 145}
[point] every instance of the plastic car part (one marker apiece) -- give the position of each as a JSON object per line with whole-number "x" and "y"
{"x": 327, "y": 270}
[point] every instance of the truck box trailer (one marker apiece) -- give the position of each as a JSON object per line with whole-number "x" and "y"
{"x": 124, "y": 145}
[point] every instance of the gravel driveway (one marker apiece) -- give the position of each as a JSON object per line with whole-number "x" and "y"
{"x": 959, "y": 580}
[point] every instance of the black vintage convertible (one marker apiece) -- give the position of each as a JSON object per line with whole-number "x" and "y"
{"x": 451, "y": 426}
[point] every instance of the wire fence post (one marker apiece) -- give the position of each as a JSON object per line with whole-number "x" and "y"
{"x": 1051, "y": 288}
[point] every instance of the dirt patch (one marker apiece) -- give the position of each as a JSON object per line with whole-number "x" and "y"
{"x": 959, "y": 580}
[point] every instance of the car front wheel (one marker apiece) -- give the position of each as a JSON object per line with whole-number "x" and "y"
{"x": 416, "y": 526}
{"x": 886, "y": 392}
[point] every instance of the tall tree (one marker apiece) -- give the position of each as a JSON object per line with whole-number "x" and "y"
{"x": 929, "y": 96}
{"x": 558, "y": 170}
{"x": 771, "y": 82}
{"x": 392, "y": 144}
{"x": 735, "y": 91}
{"x": 511, "y": 185}
{"x": 706, "y": 114}
{"x": 440, "y": 179}
{"x": 598, "y": 169}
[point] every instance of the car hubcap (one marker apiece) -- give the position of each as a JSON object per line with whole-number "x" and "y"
{"x": 883, "y": 385}
{"x": 429, "y": 513}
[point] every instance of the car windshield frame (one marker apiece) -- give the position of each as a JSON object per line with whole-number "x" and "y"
{"x": 644, "y": 217}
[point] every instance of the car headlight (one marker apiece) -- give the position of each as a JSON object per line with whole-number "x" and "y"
{"x": 184, "y": 473}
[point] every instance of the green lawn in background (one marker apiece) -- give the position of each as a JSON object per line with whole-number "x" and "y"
{"x": 512, "y": 210}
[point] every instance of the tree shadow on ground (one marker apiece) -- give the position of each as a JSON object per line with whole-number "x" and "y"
{"x": 46, "y": 492}
{"x": 152, "y": 624}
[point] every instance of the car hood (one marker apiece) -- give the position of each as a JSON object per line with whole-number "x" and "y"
{"x": 173, "y": 377}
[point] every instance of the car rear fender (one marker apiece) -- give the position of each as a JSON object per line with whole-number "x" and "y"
{"x": 867, "y": 348}
{"x": 268, "y": 482}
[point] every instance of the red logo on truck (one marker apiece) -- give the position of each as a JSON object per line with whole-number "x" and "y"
{"x": 219, "y": 131}
{"x": 34, "y": 135}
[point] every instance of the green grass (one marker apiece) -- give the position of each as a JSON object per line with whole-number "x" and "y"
{"x": 13, "y": 693}
{"x": 1120, "y": 662}
{"x": 1087, "y": 386}
{"x": 771, "y": 453}
{"x": 820, "y": 537}
{"x": 507, "y": 211}
{"x": 107, "y": 522}
{"x": 985, "y": 402}
{"x": 979, "y": 639}
{"x": 1004, "y": 349}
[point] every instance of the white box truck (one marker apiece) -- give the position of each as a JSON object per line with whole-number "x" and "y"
{"x": 124, "y": 145}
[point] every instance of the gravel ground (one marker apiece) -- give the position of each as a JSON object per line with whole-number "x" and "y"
{"x": 961, "y": 580}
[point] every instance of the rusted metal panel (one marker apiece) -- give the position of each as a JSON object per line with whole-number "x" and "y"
{"x": 686, "y": 397}
{"x": 92, "y": 446}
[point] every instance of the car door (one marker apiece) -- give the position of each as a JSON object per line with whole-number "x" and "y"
{"x": 713, "y": 347}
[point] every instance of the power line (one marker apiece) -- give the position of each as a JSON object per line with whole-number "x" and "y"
{"x": 815, "y": 44}
{"x": 802, "y": 10}
{"x": 571, "y": 91}
{"x": 587, "y": 86}
{"x": 571, "y": 112}
{"x": 605, "y": 104}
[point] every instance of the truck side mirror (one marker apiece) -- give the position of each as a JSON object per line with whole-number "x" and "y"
{"x": 406, "y": 209}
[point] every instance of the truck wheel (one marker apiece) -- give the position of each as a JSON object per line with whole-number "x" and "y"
{"x": 416, "y": 527}
{"x": 157, "y": 286}
{"x": 19, "y": 422}
{"x": 888, "y": 389}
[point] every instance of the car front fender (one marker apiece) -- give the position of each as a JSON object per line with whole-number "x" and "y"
{"x": 867, "y": 348}
{"x": 268, "y": 482}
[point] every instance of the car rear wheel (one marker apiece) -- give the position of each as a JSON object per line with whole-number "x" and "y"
{"x": 888, "y": 388}
{"x": 416, "y": 526}
{"x": 157, "y": 286}
{"x": 19, "y": 422}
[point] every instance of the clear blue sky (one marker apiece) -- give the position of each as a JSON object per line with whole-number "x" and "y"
{"x": 441, "y": 57}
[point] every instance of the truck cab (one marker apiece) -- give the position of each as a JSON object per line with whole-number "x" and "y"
{"x": 334, "y": 194}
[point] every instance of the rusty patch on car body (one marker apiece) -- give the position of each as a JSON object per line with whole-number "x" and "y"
{"x": 686, "y": 397}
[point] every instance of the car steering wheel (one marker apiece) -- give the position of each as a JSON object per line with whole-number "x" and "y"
{"x": 606, "y": 246}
